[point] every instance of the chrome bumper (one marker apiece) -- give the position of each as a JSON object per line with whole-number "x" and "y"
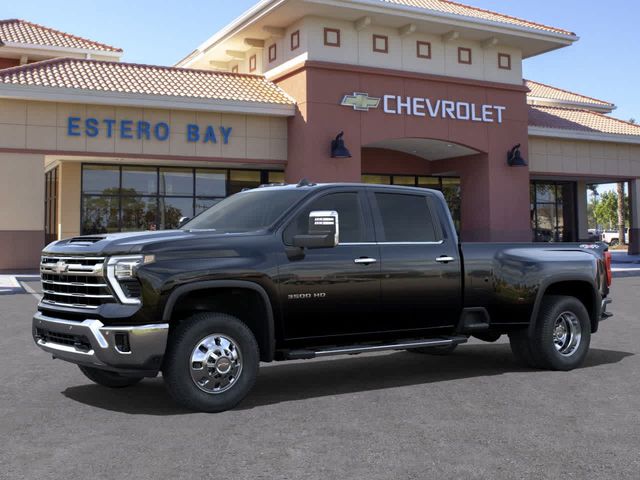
{"x": 91, "y": 343}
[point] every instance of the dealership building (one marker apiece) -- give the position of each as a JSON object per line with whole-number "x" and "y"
{"x": 428, "y": 93}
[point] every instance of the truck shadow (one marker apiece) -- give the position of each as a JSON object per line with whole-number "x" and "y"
{"x": 285, "y": 382}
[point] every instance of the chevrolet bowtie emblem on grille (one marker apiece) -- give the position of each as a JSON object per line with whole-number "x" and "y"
{"x": 60, "y": 267}
{"x": 361, "y": 102}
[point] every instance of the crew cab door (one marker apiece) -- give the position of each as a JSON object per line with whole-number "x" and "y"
{"x": 420, "y": 266}
{"x": 329, "y": 292}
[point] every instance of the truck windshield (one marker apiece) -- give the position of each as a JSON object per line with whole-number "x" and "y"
{"x": 246, "y": 211}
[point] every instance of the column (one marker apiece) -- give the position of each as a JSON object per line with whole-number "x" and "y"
{"x": 634, "y": 231}
{"x": 581, "y": 211}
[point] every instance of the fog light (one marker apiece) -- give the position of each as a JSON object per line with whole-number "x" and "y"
{"x": 122, "y": 342}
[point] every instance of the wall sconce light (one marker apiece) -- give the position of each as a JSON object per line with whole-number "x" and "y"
{"x": 338, "y": 149}
{"x": 514, "y": 158}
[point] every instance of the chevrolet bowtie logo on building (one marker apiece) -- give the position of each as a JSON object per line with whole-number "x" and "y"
{"x": 361, "y": 102}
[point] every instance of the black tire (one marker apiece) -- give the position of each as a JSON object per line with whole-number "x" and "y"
{"x": 108, "y": 379}
{"x": 177, "y": 366}
{"x": 539, "y": 348}
{"x": 441, "y": 350}
{"x": 614, "y": 242}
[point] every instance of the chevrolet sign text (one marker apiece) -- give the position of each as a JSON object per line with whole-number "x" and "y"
{"x": 425, "y": 107}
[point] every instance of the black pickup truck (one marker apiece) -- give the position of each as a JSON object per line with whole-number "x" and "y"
{"x": 301, "y": 271}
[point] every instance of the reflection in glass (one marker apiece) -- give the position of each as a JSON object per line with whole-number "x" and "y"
{"x": 241, "y": 179}
{"x": 203, "y": 203}
{"x": 172, "y": 209}
{"x": 100, "y": 215}
{"x": 276, "y": 177}
{"x": 100, "y": 179}
{"x": 139, "y": 180}
{"x": 176, "y": 181}
{"x": 377, "y": 179}
{"x": 139, "y": 213}
{"x": 429, "y": 182}
{"x": 404, "y": 180}
{"x": 211, "y": 183}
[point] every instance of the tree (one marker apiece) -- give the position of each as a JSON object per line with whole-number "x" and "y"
{"x": 606, "y": 210}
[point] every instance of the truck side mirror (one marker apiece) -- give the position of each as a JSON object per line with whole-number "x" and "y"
{"x": 183, "y": 220}
{"x": 324, "y": 231}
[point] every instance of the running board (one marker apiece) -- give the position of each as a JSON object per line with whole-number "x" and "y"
{"x": 353, "y": 349}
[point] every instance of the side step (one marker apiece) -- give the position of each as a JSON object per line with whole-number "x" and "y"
{"x": 374, "y": 347}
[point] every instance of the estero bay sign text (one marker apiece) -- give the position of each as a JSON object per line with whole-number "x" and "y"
{"x": 144, "y": 130}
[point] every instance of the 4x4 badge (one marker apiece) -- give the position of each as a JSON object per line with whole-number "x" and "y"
{"x": 361, "y": 102}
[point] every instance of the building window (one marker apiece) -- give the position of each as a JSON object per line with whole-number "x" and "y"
{"x": 449, "y": 186}
{"x": 234, "y": 69}
{"x": 381, "y": 44}
{"x": 553, "y": 211}
{"x": 51, "y": 206}
{"x": 423, "y": 49}
{"x": 127, "y": 198}
{"x": 331, "y": 37}
{"x": 504, "y": 61}
{"x": 295, "y": 40}
{"x": 464, "y": 56}
{"x": 273, "y": 53}
{"x": 253, "y": 63}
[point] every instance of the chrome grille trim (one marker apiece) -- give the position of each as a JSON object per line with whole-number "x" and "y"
{"x": 75, "y": 284}
{"x": 75, "y": 281}
{"x": 86, "y": 295}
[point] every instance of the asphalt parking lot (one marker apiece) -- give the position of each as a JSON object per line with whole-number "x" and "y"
{"x": 475, "y": 414}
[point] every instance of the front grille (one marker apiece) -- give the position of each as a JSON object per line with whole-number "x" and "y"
{"x": 78, "y": 341}
{"x": 74, "y": 282}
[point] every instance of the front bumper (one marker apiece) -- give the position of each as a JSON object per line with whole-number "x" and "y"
{"x": 136, "y": 350}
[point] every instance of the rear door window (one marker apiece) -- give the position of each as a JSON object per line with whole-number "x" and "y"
{"x": 405, "y": 218}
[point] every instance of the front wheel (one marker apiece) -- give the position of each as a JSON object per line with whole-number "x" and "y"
{"x": 108, "y": 379}
{"x": 211, "y": 362}
{"x": 560, "y": 339}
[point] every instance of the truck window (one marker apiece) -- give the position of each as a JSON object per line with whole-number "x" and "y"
{"x": 350, "y": 216}
{"x": 405, "y": 218}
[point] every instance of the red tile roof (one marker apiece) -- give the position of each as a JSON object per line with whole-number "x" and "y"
{"x": 117, "y": 77}
{"x": 446, "y": 6}
{"x": 579, "y": 120}
{"x": 554, "y": 93}
{"x": 21, "y": 31}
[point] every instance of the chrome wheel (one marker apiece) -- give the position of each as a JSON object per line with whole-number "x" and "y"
{"x": 216, "y": 363}
{"x": 567, "y": 333}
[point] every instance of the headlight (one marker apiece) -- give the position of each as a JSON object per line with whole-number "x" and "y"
{"x": 121, "y": 272}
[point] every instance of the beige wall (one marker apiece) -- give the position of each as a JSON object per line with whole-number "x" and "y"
{"x": 356, "y": 48}
{"x": 43, "y": 126}
{"x": 21, "y": 210}
{"x": 21, "y": 191}
{"x": 571, "y": 157}
{"x": 69, "y": 194}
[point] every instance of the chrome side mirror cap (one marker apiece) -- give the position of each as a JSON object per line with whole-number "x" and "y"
{"x": 323, "y": 232}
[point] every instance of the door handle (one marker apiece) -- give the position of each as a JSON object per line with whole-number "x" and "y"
{"x": 445, "y": 259}
{"x": 365, "y": 261}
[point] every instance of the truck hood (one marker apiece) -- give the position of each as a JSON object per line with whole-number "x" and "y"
{"x": 140, "y": 242}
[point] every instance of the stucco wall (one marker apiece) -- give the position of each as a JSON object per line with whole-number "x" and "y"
{"x": 22, "y": 210}
{"x": 568, "y": 157}
{"x": 43, "y": 126}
